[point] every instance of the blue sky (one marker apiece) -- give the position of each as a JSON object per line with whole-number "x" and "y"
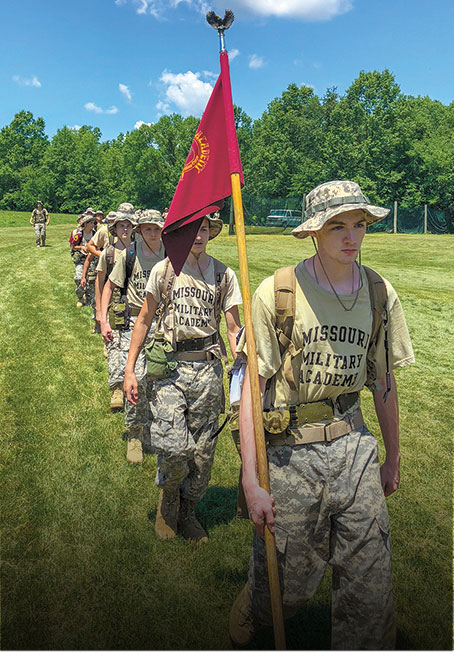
{"x": 117, "y": 63}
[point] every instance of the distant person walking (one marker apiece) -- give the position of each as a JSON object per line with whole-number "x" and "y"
{"x": 40, "y": 219}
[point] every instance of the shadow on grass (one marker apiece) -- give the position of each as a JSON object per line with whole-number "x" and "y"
{"x": 217, "y": 507}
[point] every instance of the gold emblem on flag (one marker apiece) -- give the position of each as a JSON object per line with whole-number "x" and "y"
{"x": 199, "y": 154}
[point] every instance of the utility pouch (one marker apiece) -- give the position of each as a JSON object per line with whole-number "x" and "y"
{"x": 276, "y": 421}
{"x": 117, "y": 316}
{"x": 77, "y": 257}
{"x": 159, "y": 356}
{"x": 91, "y": 274}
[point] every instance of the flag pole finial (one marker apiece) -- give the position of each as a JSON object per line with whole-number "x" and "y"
{"x": 220, "y": 24}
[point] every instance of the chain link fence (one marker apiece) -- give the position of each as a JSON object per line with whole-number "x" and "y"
{"x": 258, "y": 212}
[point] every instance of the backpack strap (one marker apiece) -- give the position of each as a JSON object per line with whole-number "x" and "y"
{"x": 379, "y": 307}
{"x": 285, "y": 306}
{"x": 131, "y": 255}
{"x": 167, "y": 283}
{"x": 221, "y": 284}
{"x": 110, "y": 259}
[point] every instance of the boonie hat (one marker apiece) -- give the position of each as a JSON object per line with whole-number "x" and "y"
{"x": 150, "y": 216}
{"x": 110, "y": 216}
{"x": 99, "y": 213}
{"x": 334, "y": 198}
{"x": 126, "y": 207}
{"x": 87, "y": 218}
{"x": 90, "y": 210}
{"x": 216, "y": 225}
{"x": 120, "y": 217}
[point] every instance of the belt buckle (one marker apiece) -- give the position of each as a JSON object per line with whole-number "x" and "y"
{"x": 326, "y": 433}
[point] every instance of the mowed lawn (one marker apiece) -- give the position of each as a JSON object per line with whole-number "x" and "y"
{"x": 82, "y": 568}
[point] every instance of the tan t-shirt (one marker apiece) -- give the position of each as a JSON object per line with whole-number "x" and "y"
{"x": 102, "y": 260}
{"x": 333, "y": 341}
{"x": 193, "y": 314}
{"x": 101, "y": 237}
{"x": 140, "y": 273}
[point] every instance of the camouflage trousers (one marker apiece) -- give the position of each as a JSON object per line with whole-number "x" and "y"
{"x": 330, "y": 509}
{"x": 137, "y": 417}
{"x": 185, "y": 411}
{"x": 40, "y": 233}
{"x": 78, "y": 271}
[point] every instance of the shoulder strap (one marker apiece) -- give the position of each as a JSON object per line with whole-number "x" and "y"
{"x": 167, "y": 283}
{"x": 285, "y": 306}
{"x": 379, "y": 306}
{"x": 284, "y": 303}
{"x": 220, "y": 281}
{"x": 131, "y": 255}
{"x": 110, "y": 259}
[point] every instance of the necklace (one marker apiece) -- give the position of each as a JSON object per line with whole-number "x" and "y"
{"x": 333, "y": 288}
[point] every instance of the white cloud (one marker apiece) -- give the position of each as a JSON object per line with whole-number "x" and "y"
{"x": 302, "y": 9}
{"x": 233, "y": 54}
{"x": 91, "y": 106}
{"x": 22, "y": 81}
{"x": 139, "y": 123}
{"x": 124, "y": 90}
{"x": 186, "y": 91}
{"x": 75, "y": 127}
{"x": 256, "y": 62}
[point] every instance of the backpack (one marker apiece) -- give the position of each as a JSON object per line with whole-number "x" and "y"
{"x": 285, "y": 306}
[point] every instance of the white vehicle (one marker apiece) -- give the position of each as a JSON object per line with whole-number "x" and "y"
{"x": 284, "y": 217}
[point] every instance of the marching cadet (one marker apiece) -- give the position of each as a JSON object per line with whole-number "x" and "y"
{"x": 40, "y": 219}
{"x": 130, "y": 273}
{"x": 120, "y": 228}
{"x": 100, "y": 239}
{"x": 79, "y": 253}
{"x": 324, "y": 329}
{"x": 187, "y": 396}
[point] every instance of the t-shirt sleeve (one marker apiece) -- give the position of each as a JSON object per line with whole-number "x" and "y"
{"x": 233, "y": 295}
{"x": 400, "y": 347}
{"x": 102, "y": 263}
{"x": 118, "y": 273}
{"x": 264, "y": 322}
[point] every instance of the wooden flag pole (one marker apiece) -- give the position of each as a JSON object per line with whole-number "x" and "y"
{"x": 262, "y": 462}
{"x": 221, "y": 24}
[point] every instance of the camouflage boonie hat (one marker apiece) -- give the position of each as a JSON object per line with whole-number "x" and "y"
{"x": 334, "y": 198}
{"x": 216, "y": 225}
{"x": 99, "y": 213}
{"x": 150, "y": 216}
{"x": 126, "y": 207}
{"x": 120, "y": 217}
{"x": 111, "y": 215}
{"x": 87, "y": 218}
{"x": 89, "y": 210}
{"x": 39, "y": 202}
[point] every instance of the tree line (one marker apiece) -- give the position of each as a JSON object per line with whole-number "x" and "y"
{"x": 397, "y": 147}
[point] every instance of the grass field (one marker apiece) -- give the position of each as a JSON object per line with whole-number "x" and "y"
{"x": 81, "y": 566}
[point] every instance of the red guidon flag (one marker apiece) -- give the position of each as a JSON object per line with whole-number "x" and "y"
{"x": 205, "y": 180}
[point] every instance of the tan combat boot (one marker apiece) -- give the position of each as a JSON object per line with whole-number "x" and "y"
{"x": 242, "y": 624}
{"x": 188, "y": 525}
{"x": 79, "y": 304}
{"x": 167, "y": 514}
{"x": 134, "y": 453}
{"x": 117, "y": 398}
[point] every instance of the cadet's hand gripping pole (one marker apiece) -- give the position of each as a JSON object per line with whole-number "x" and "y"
{"x": 262, "y": 462}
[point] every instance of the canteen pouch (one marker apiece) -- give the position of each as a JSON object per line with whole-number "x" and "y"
{"x": 159, "y": 357}
{"x": 117, "y": 316}
{"x": 77, "y": 257}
